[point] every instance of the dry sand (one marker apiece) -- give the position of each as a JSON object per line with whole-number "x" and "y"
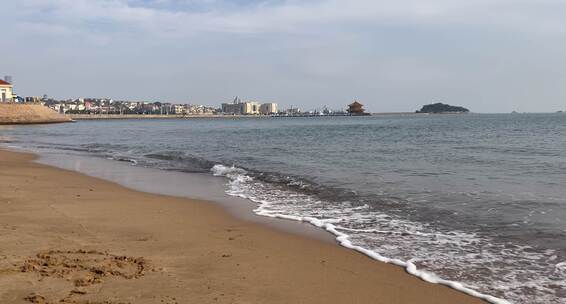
{"x": 69, "y": 238}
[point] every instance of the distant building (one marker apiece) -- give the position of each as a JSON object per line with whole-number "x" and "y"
{"x": 88, "y": 105}
{"x": 250, "y": 108}
{"x": 237, "y": 107}
{"x": 6, "y": 91}
{"x": 234, "y": 108}
{"x": 230, "y": 108}
{"x": 356, "y": 108}
{"x": 200, "y": 110}
{"x": 32, "y": 99}
{"x": 268, "y": 108}
{"x": 180, "y": 109}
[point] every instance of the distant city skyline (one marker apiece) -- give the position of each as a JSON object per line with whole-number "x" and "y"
{"x": 486, "y": 55}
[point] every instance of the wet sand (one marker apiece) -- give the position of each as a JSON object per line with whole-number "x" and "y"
{"x": 71, "y": 238}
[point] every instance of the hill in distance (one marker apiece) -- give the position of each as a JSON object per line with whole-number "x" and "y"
{"x": 442, "y": 108}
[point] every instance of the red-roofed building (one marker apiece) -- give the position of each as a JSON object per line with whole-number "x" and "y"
{"x": 6, "y": 91}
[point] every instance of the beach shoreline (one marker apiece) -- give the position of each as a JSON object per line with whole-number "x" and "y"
{"x": 135, "y": 247}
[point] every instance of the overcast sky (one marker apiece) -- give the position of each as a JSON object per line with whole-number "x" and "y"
{"x": 487, "y": 55}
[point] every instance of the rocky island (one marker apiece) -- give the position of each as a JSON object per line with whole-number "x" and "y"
{"x": 438, "y": 108}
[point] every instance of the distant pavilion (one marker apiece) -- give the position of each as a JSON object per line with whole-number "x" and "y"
{"x": 356, "y": 108}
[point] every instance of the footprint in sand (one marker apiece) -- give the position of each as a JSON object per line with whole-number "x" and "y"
{"x": 84, "y": 269}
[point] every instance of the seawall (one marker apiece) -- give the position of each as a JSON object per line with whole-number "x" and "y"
{"x": 15, "y": 114}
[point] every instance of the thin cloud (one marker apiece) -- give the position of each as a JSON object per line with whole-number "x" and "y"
{"x": 408, "y": 52}
{"x": 292, "y": 16}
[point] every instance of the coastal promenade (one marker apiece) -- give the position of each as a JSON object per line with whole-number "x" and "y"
{"x": 143, "y": 116}
{"x": 75, "y": 239}
{"x": 175, "y": 116}
{"x": 37, "y": 114}
{"x": 224, "y": 116}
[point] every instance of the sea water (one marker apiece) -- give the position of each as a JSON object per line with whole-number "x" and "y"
{"x": 477, "y": 202}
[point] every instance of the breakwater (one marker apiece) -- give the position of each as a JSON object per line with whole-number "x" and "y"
{"x": 13, "y": 114}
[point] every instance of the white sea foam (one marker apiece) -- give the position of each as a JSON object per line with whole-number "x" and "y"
{"x": 123, "y": 159}
{"x": 242, "y": 185}
{"x": 561, "y": 266}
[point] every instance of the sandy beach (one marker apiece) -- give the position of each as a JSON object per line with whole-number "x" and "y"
{"x": 70, "y": 238}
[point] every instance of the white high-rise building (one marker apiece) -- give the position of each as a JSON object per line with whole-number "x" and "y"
{"x": 268, "y": 108}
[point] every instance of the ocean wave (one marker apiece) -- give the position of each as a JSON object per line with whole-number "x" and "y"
{"x": 124, "y": 159}
{"x": 178, "y": 161}
{"x": 453, "y": 258}
{"x": 6, "y": 139}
